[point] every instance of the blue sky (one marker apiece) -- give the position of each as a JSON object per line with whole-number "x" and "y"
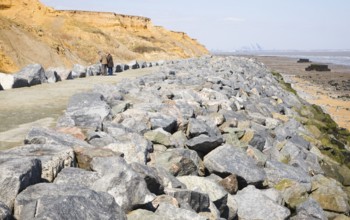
{"x": 235, "y": 24}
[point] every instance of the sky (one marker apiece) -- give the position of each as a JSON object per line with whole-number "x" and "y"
{"x": 229, "y": 25}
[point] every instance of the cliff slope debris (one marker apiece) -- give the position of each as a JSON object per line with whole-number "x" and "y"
{"x": 207, "y": 138}
{"x": 30, "y": 32}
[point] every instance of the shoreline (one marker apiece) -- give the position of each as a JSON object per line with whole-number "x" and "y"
{"x": 329, "y": 90}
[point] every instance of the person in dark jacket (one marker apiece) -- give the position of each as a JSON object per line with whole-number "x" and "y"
{"x": 110, "y": 64}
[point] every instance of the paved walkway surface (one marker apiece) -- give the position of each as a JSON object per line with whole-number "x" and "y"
{"x": 41, "y": 105}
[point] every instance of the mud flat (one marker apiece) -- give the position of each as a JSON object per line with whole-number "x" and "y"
{"x": 23, "y": 108}
{"x": 330, "y": 90}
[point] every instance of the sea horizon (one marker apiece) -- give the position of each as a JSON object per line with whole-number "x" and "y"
{"x": 338, "y": 57}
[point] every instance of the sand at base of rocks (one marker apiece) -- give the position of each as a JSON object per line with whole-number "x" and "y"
{"x": 330, "y": 90}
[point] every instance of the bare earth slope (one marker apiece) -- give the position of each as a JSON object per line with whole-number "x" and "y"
{"x": 30, "y": 32}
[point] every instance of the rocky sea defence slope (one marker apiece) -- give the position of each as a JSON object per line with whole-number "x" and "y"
{"x": 31, "y": 32}
{"x": 206, "y": 138}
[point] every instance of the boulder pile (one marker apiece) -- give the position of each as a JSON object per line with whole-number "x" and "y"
{"x": 35, "y": 74}
{"x": 207, "y": 138}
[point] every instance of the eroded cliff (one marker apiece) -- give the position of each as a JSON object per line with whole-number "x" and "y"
{"x": 30, "y": 32}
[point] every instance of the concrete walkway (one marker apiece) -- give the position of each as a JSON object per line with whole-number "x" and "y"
{"x": 41, "y": 105}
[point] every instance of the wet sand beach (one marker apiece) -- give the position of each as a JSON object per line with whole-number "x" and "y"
{"x": 330, "y": 90}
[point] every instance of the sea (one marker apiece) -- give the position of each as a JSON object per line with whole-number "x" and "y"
{"x": 327, "y": 56}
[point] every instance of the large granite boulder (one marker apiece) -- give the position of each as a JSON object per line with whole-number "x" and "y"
{"x": 276, "y": 172}
{"x": 76, "y": 176}
{"x": 85, "y": 155}
{"x": 144, "y": 215}
{"x": 128, "y": 188}
{"x": 94, "y": 70}
{"x": 189, "y": 199}
{"x": 216, "y": 193}
{"x": 134, "y": 147}
{"x": 309, "y": 209}
{"x": 88, "y": 110}
{"x": 168, "y": 123}
{"x": 30, "y": 75}
{"x": 6, "y": 81}
{"x": 52, "y": 201}
{"x": 52, "y": 76}
{"x": 53, "y": 157}
{"x": 62, "y": 73}
{"x": 134, "y": 65}
{"x": 5, "y": 212}
{"x": 150, "y": 175}
{"x": 160, "y": 136}
{"x": 167, "y": 211}
{"x": 38, "y": 135}
{"x": 119, "y": 68}
{"x": 228, "y": 159}
{"x": 78, "y": 71}
{"x": 263, "y": 208}
{"x": 168, "y": 180}
{"x": 329, "y": 194}
{"x": 293, "y": 192}
{"x": 179, "y": 162}
{"x": 16, "y": 175}
{"x": 204, "y": 144}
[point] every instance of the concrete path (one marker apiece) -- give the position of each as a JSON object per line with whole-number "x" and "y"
{"x": 41, "y": 105}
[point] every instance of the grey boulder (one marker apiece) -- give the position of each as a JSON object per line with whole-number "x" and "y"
{"x": 88, "y": 110}
{"x": 30, "y": 75}
{"x": 38, "y": 135}
{"x": 228, "y": 159}
{"x": 309, "y": 209}
{"x": 204, "y": 143}
{"x": 189, "y": 199}
{"x": 179, "y": 162}
{"x": 76, "y": 176}
{"x": 53, "y": 157}
{"x": 263, "y": 208}
{"x": 5, "y": 212}
{"x": 94, "y": 70}
{"x": 6, "y": 81}
{"x": 52, "y": 201}
{"x": 119, "y": 68}
{"x": 144, "y": 215}
{"x": 276, "y": 172}
{"x": 168, "y": 211}
{"x": 15, "y": 176}
{"x": 150, "y": 175}
{"x": 78, "y": 71}
{"x": 216, "y": 193}
{"x": 168, "y": 123}
{"x": 128, "y": 188}
{"x": 134, "y": 147}
{"x": 52, "y": 76}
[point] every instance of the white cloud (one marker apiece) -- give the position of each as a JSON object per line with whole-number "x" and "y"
{"x": 233, "y": 19}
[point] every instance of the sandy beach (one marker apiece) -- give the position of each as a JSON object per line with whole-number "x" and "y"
{"x": 330, "y": 90}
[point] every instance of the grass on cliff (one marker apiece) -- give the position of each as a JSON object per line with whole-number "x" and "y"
{"x": 332, "y": 138}
{"x": 146, "y": 49}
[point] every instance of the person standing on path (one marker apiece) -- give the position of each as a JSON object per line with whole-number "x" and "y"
{"x": 103, "y": 61}
{"x": 110, "y": 64}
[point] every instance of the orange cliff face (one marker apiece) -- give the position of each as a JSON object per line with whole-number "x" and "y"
{"x": 30, "y": 32}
